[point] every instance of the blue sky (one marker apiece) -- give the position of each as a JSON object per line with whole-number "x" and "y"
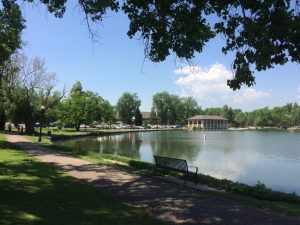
{"x": 114, "y": 64}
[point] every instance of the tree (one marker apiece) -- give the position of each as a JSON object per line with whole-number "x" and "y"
{"x": 26, "y": 87}
{"x": 84, "y": 107}
{"x": 213, "y": 111}
{"x": 240, "y": 118}
{"x": 228, "y": 113}
{"x": 161, "y": 106}
{"x": 138, "y": 118}
{"x": 182, "y": 27}
{"x": 171, "y": 109}
{"x": 74, "y": 108}
{"x": 108, "y": 113}
{"x": 127, "y": 105}
{"x": 2, "y": 115}
{"x": 295, "y": 113}
{"x": 262, "y": 117}
{"x": 11, "y": 26}
{"x": 190, "y": 107}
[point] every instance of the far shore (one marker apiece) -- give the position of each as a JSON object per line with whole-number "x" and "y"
{"x": 264, "y": 128}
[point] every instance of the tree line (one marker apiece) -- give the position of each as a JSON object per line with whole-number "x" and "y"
{"x": 279, "y": 116}
{"x": 26, "y": 85}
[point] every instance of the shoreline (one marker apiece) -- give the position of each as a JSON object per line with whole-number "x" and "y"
{"x": 264, "y": 128}
{"x": 100, "y": 133}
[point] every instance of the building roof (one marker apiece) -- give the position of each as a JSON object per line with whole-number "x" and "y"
{"x": 146, "y": 115}
{"x": 207, "y": 117}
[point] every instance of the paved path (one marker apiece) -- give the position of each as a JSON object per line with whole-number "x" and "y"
{"x": 168, "y": 202}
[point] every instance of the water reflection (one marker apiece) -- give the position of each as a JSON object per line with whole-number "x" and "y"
{"x": 245, "y": 156}
{"x": 175, "y": 145}
{"x": 126, "y": 145}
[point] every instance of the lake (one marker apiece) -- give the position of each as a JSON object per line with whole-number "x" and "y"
{"x": 271, "y": 157}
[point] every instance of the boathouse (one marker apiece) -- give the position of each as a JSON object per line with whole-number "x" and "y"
{"x": 207, "y": 122}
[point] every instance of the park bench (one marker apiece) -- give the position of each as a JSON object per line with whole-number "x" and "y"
{"x": 163, "y": 164}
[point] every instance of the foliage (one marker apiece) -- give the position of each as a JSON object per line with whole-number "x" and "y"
{"x": 11, "y": 26}
{"x": 2, "y": 114}
{"x": 84, "y": 107}
{"x": 138, "y": 118}
{"x": 284, "y": 116}
{"x": 127, "y": 105}
{"x": 184, "y": 27}
{"x": 171, "y": 109}
{"x": 27, "y": 86}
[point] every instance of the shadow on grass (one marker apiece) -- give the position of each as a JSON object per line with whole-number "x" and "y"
{"x": 32, "y": 192}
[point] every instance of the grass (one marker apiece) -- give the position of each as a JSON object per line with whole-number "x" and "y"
{"x": 32, "y": 192}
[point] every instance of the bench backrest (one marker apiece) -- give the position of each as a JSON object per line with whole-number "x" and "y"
{"x": 171, "y": 163}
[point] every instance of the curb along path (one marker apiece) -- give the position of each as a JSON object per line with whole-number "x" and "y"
{"x": 166, "y": 201}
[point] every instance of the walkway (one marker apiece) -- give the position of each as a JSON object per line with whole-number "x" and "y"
{"x": 168, "y": 202}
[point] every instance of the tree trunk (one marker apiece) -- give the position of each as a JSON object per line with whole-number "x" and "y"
{"x": 77, "y": 126}
{"x": 2, "y": 118}
{"x": 29, "y": 127}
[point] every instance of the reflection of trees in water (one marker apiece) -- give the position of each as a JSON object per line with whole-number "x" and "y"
{"x": 126, "y": 145}
{"x": 171, "y": 144}
{"x": 174, "y": 146}
{"x": 81, "y": 146}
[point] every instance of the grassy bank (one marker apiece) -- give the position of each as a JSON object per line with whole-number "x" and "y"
{"x": 31, "y": 192}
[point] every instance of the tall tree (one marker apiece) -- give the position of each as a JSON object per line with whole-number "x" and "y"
{"x": 171, "y": 109}
{"x": 138, "y": 118}
{"x": 27, "y": 88}
{"x": 190, "y": 107}
{"x": 73, "y": 108}
{"x": 127, "y": 105}
{"x": 11, "y": 26}
{"x": 228, "y": 113}
{"x": 161, "y": 106}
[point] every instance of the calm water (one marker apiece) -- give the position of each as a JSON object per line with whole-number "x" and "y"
{"x": 271, "y": 157}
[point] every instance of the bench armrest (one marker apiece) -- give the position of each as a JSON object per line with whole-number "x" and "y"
{"x": 195, "y": 168}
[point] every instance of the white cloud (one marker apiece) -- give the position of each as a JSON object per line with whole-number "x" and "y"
{"x": 211, "y": 85}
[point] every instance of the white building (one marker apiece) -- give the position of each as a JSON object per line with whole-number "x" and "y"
{"x": 207, "y": 122}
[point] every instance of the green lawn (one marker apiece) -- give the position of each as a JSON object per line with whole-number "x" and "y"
{"x": 32, "y": 192}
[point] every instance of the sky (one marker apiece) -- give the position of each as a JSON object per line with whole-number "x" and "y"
{"x": 115, "y": 64}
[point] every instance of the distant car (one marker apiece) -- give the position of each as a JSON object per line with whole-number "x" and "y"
{"x": 120, "y": 126}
